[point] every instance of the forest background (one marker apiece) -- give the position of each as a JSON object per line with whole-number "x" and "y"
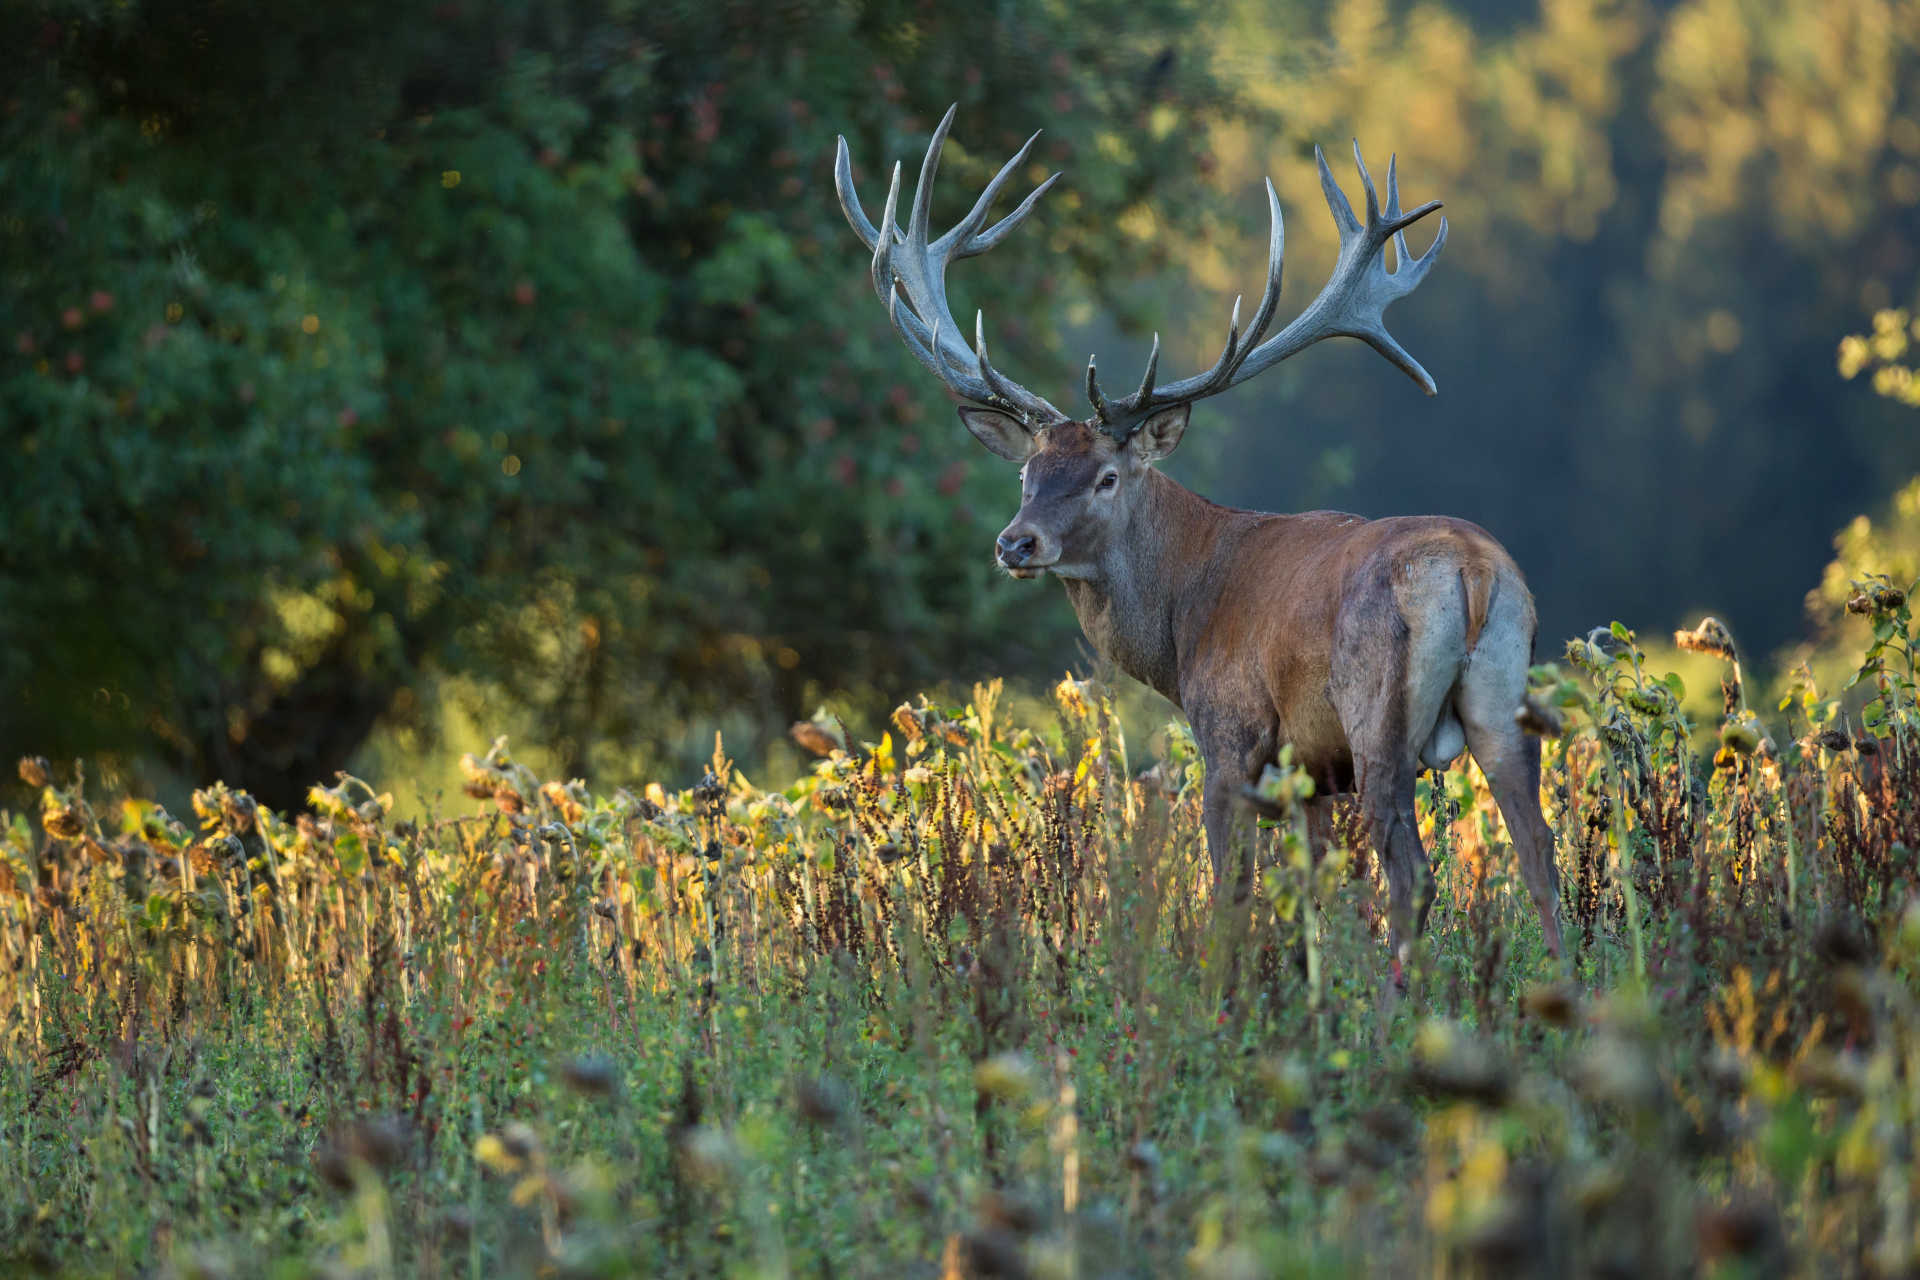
{"x": 380, "y": 377}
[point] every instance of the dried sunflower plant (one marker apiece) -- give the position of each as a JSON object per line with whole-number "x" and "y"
{"x": 959, "y": 998}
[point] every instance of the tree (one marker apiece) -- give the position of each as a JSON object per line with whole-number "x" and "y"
{"x": 353, "y": 346}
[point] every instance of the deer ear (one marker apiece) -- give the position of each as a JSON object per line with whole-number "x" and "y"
{"x": 1160, "y": 434}
{"x": 1000, "y": 432}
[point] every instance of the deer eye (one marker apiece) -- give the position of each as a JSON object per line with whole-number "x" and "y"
{"x": 1107, "y": 482}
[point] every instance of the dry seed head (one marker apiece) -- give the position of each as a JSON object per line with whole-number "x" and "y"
{"x": 1854, "y": 999}
{"x": 812, "y": 737}
{"x": 1741, "y": 735}
{"x": 821, "y": 1100}
{"x": 1451, "y": 1062}
{"x": 64, "y": 823}
{"x": 1598, "y": 1188}
{"x": 1555, "y": 1003}
{"x": 591, "y": 1074}
{"x": 1841, "y": 941}
{"x": 1539, "y": 720}
{"x": 455, "y": 1225}
{"x": 381, "y": 1141}
{"x": 520, "y": 1141}
{"x": 1746, "y": 1228}
{"x": 1618, "y": 1073}
{"x": 1008, "y": 1076}
{"x": 1827, "y": 1074}
{"x": 564, "y": 801}
{"x": 908, "y": 723}
{"x": 1287, "y": 1079}
{"x": 706, "y": 1155}
{"x": 333, "y": 1167}
{"x": 1143, "y": 1157}
{"x": 1389, "y": 1123}
{"x": 986, "y": 1252}
{"x": 35, "y": 771}
{"x": 1711, "y": 637}
{"x": 1502, "y": 1239}
{"x": 1010, "y": 1211}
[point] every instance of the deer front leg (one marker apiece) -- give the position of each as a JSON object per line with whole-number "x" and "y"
{"x": 1234, "y": 753}
{"x": 1218, "y": 809}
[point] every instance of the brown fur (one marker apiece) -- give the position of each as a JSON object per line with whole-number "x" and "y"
{"x": 1323, "y": 630}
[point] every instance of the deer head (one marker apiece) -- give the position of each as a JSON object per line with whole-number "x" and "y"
{"x": 1079, "y": 479}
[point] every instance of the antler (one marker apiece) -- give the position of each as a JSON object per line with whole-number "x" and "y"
{"x": 905, "y": 263}
{"x": 1351, "y": 305}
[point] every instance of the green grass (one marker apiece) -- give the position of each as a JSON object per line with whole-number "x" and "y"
{"x": 958, "y": 1002}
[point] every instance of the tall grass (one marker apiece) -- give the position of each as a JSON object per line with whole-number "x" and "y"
{"x": 960, "y": 1002}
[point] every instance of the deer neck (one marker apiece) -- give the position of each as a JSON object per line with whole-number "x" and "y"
{"x": 1149, "y": 586}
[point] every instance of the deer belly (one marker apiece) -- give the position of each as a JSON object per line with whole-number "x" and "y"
{"x": 1320, "y": 748}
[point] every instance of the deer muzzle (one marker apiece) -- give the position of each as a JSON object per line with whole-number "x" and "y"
{"x": 1021, "y": 553}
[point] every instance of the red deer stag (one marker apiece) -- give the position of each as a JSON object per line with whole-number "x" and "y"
{"x": 1372, "y": 646}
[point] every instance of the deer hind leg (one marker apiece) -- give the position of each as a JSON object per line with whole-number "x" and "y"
{"x": 1489, "y": 694}
{"x": 1370, "y": 690}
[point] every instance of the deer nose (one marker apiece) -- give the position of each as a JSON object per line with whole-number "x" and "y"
{"x": 1016, "y": 549}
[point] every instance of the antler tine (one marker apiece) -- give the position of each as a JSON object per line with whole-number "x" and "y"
{"x": 909, "y": 270}
{"x": 1408, "y": 270}
{"x": 849, "y": 198}
{"x": 883, "y": 240}
{"x": 1276, "y": 259}
{"x": 1337, "y": 199}
{"x": 930, "y": 351}
{"x": 1400, "y": 255}
{"x": 1103, "y": 409}
{"x": 1005, "y": 394}
{"x": 1229, "y": 354}
{"x": 1366, "y": 181}
{"x": 1000, "y": 230}
{"x": 958, "y": 242}
{"x": 923, "y": 193}
{"x": 1145, "y": 393}
{"x": 952, "y": 377}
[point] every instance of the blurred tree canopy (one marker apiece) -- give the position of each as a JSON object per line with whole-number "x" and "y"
{"x": 361, "y": 356}
{"x": 355, "y": 344}
{"x": 1663, "y": 218}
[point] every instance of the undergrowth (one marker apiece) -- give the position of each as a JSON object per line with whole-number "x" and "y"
{"x": 960, "y": 1002}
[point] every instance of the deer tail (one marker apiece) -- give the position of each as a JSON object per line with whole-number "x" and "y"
{"x": 1477, "y": 578}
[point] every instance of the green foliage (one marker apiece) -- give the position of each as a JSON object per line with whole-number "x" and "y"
{"x": 518, "y": 343}
{"x": 960, "y": 997}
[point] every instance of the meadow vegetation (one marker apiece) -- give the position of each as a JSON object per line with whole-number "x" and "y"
{"x": 959, "y": 1002}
